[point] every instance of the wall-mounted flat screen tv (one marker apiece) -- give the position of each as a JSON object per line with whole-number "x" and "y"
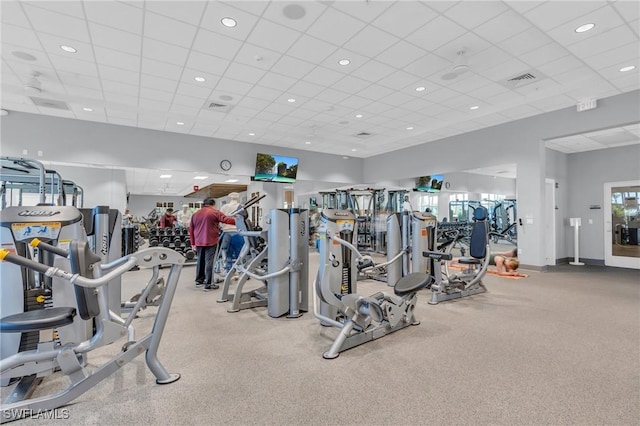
{"x": 275, "y": 168}
{"x": 431, "y": 183}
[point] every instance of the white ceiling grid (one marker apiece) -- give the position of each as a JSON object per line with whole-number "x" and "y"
{"x": 136, "y": 64}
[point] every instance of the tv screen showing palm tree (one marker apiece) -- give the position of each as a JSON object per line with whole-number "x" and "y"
{"x": 276, "y": 168}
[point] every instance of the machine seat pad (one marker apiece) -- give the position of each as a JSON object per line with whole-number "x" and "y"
{"x": 469, "y": 261}
{"x": 40, "y": 319}
{"x": 412, "y": 283}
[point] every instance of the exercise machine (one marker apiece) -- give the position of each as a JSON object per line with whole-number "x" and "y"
{"x": 360, "y": 319}
{"x": 469, "y": 281}
{"x": 284, "y": 282}
{"x": 90, "y": 301}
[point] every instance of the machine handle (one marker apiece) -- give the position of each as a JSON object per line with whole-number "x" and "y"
{"x": 365, "y": 265}
{"x": 436, "y": 255}
{"x": 248, "y": 203}
{"x": 6, "y": 256}
{"x": 48, "y": 247}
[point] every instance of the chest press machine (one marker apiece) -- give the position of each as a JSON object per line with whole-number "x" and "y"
{"x": 79, "y": 319}
{"x": 360, "y": 319}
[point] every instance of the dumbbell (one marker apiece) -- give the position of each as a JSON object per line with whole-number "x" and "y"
{"x": 189, "y": 254}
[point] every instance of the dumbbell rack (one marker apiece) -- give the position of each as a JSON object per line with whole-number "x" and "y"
{"x": 174, "y": 238}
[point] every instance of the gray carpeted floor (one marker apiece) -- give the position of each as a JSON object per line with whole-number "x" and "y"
{"x": 561, "y": 347}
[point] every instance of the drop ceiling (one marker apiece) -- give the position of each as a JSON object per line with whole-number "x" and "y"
{"x": 275, "y": 77}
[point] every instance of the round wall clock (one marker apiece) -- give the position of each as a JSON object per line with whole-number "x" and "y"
{"x": 225, "y": 165}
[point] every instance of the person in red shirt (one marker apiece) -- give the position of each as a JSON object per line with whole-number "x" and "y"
{"x": 168, "y": 219}
{"x": 204, "y": 232}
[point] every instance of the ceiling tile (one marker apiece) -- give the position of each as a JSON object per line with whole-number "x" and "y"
{"x": 376, "y": 92}
{"x": 615, "y": 37}
{"x": 118, "y": 74}
{"x": 161, "y": 69}
{"x": 398, "y": 80}
{"x": 303, "y": 88}
{"x": 189, "y": 12}
{"x": 155, "y": 95}
{"x": 469, "y": 43}
{"x": 121, "y": 88}
{"x": 168, "y": 30}
{"x": 525, "y": 42}
{"x": 244, "y": 73}
{"x": 273, "y": 36}
{"x": 560, "y": 66}
{"x": 311, "y": 49}
{"x": 63, "y": 63}
{"x": 152, "y": 105}
{"x": 55, "y": 23}
{"x": 115, "y": 39}
{"x": 502, "y": 27}
{"x": 323, "y": 76}
{"x": 217, "y": 10}
{"x": 117, "y": 59}
{"x": 355, "y": 102}
{"x": 275, "y": 12}
{"x": 428, "y": 65}
{"x": 627, "y": 83}
{"x": 332, "y": 96}
{"x": 193, "y": 91}
{"x": 209, "y": 42}
{"x": 543, "y": 55}
{"x": 158, "y": 83}
{"x": 292, "y": 67}
{"x": 552, "y": 14}
{"x": 401, "y": 54}
{"x": 189, "y": 75}
{"x": 605, "y": 19}
{"x": 164, "y": 52}
{"x": 404, "y": 17}
{"x": 373, "y": 71}
{"x": 188, "y": 101}
{"x": 119, "y": 100}
{"x": 277, "y": 81}
{"x": 371, "y": 42}
{"x": 256, "y": 56}
{"x": 115, "y": 14}
{"x": 605, "y": 59}
{"x": 437, "y": 33}
{"x": 471, "y": 14}
{"x": 207, "y": 63}
{"x": 335, "y": 27}
{"x": 19, "y": 36}
{"x": 12, "y": 14}
{"x": 229, "y": 85}
{"x": 507, "y": 70}
{"x": 351, "y": 85}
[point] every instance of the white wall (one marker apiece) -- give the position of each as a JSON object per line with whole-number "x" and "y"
{"x": 101, "y": 187}
{"x": 588, "y": 171}
{"x": 520, "y": 142}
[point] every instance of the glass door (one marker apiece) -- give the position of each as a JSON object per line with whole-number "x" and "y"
{"x": 622, "y": 224}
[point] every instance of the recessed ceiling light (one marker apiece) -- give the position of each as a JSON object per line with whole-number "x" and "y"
{"x": 307, "y": 143}
{"x": 474, "y": 107}
{"x": 87, "y": 109}
{"x": 231, "y": 180}
{"x": 24, "y": 55}
{"x": 252, "y": 134}
{"x": 629, "y": 68}
{"x": 344, "y": 62}
{"x": 345, "y": 158}
{"x": 68, "y": 48}
{"x": 179, "y": 123}
{"x": 358, "y": 115}
{"x": 585, "y": 28}
{"x": 291, "y": 100}
{"x": 199, "y": 79}
{"x": 409, "y": 128}
{"x": 421, "y": 89}
{"x": 229, "y": 22}
{"x": 200, "y": 177}
{"x": 353, "y": 150}
{"x": 165, "y": 176}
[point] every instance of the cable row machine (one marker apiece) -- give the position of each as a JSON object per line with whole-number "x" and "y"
{"x": 285, "y": 280}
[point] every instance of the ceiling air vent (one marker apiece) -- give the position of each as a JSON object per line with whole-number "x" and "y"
{"x": 218, "y": 107}
{"x": 363, "y": 135}
{"x": 49, "y": 103}
{"x": 533, "y": 76}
